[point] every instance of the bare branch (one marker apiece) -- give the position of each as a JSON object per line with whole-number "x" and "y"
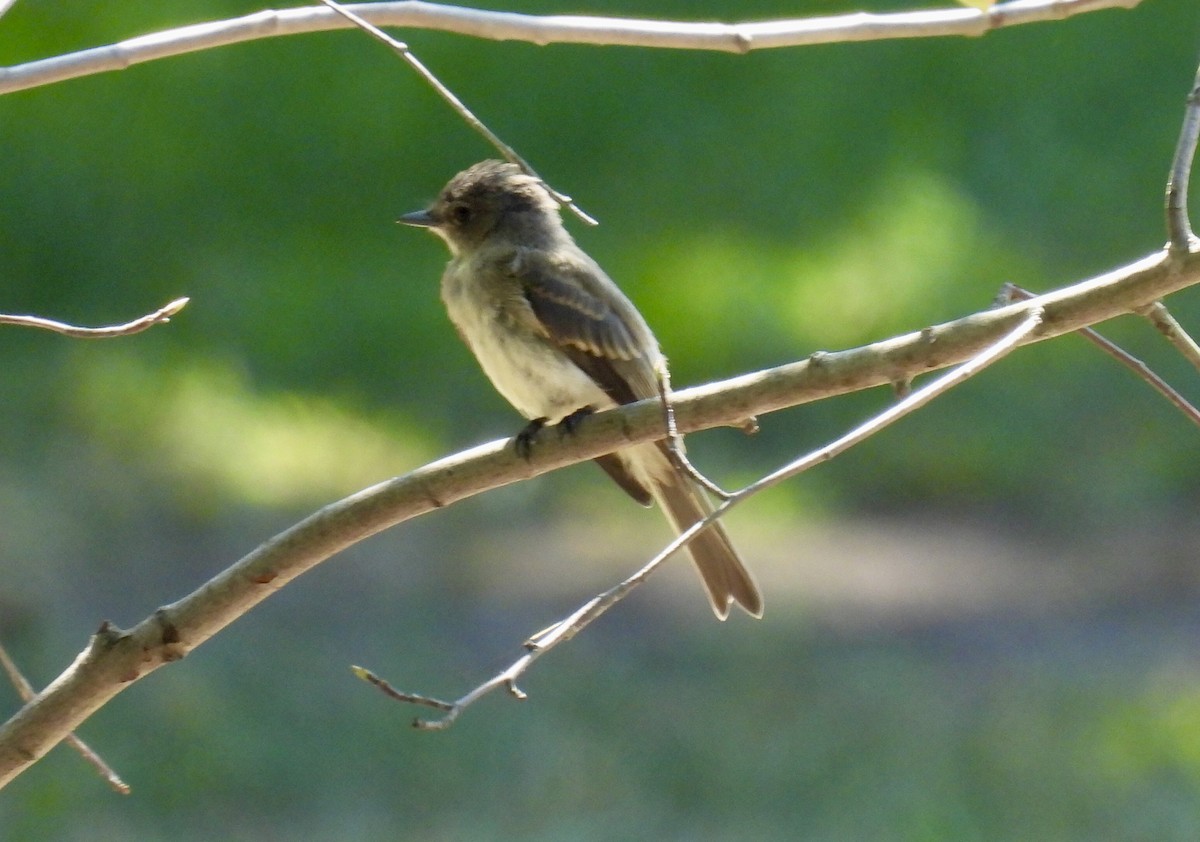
{"x": 507, "y": 679}
{"x": 551, "y": 29}
{"x": 1179, "y": 228}
{"x": 26, "y": 692}
{"x": 160, "y": 316}
{"x": 400, "y": 696}
{"x": 114, "y": 659}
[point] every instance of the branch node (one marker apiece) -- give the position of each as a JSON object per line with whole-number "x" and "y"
{"x": 170, "y": 634}
{"x": 1009, "y": 292}
{"x": 170, "y": 648}
{"x": 107, "y": 636}
{"x": 436, "y": 724}
{"x": 748, "y": 425}
{"x": 1166, "y": 324}
{"x": 534, "y": 642}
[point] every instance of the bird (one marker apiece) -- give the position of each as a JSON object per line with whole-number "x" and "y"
{"x": 559, "y": 340}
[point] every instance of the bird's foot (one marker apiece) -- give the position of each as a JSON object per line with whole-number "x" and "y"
{"x": 523, "y": 443}
{"x": 570, "y": 423}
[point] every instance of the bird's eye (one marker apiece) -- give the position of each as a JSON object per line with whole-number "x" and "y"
{"x": 461, "y": 214}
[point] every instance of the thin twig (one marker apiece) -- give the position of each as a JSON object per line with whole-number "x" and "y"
{"x": 1179, "y": 227}
{"x": 594, "y": 608}
{"x": 159, "y": 316}
{"x": 737, "y": 38}
{"x": 400, "y": 696}
{"x": 26, "y": 692}
{"x": 459, "y": 106}
{"x": 1012, "y": 292}
{"x": 1161, "y": 318}
{"x": 675, "y": 449}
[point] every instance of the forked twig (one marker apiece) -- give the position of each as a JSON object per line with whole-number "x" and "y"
{"x": 26, "y": 692}
{"x": 159, "y": 316}
{"x": 674, "y": 440}
{"x": 583, "y": 616}
{"x": 457, "y": 104}
{"x": 1012, "y": 292}
{"x": 1161, "y": 318}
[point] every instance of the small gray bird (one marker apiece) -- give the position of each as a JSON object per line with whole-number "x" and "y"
{"x": 559, "y": 340}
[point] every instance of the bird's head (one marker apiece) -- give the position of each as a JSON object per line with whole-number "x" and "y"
{"x": 490, "y": 199}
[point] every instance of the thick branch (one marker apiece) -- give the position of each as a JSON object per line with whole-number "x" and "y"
{"x": 114, "y": 659}
{"x": 550, "y": 29}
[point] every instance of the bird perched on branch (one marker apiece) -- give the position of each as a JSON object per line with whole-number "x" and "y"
{"x": 559, "y": 340}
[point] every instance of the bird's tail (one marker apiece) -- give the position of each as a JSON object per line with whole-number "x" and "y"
{"x": 725, "y": 577}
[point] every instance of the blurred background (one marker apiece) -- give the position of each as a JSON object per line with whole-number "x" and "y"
{"x": 981, "y": 624}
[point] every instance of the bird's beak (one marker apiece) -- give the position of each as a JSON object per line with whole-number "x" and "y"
{"x": 418, "y": 219}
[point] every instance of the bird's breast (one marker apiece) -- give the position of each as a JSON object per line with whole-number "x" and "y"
{"x": 493, "y": 317}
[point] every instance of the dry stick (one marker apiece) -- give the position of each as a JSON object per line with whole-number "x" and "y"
{"x": 400, "y": 696}
{"x": 570, "y": 626}
{"x": 26, "y": 692}
{"x": 1179, "y": 228}
{"x": 1162, "y": 319}
{"x": 1012, "y": 292}
{"x": 159, "y": 316}
{"x": 674, "y": 439}
{"x": 736, "y": 38}
{"x": 457, "y": 104}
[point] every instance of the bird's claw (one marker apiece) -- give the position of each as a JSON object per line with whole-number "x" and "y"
{"x": 571, "y": 422}
{"x": 523, "y": 443}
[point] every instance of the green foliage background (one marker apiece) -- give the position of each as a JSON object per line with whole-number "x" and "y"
{"x": 757, "y": 208}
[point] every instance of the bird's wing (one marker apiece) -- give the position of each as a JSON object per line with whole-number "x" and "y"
{"x": 569, "y": 300}
{"x": 578, "y": 308}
